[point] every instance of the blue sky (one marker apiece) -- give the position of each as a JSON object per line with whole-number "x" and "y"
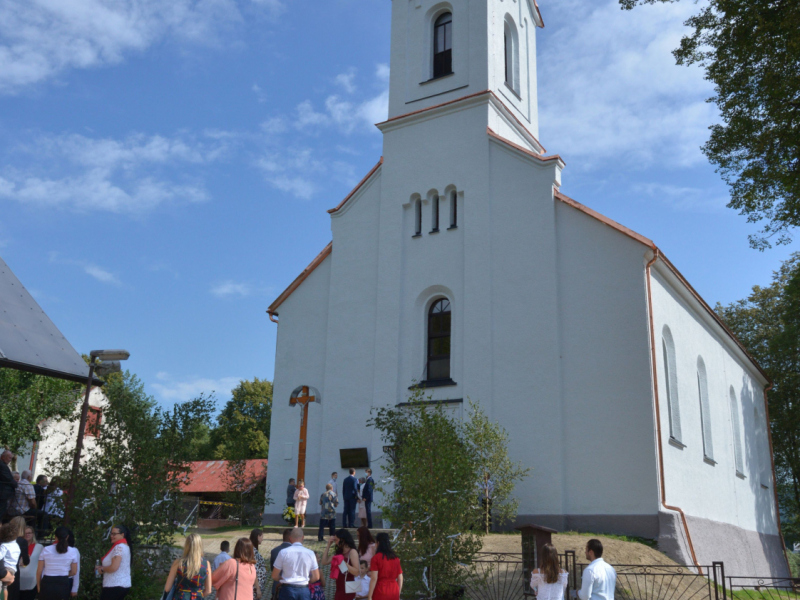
{"x": 165, "y": 167}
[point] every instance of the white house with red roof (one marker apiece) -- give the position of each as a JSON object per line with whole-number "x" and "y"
{"x": 459, "y": 264}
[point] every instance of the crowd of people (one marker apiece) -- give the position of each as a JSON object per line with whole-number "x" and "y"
{"x": 31, "y": 570}
{"x": 364, "y": 570}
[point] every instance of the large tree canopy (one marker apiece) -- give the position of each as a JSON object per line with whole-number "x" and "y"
{"x": 751, "y": 53}
{"x": 242, "y": 429}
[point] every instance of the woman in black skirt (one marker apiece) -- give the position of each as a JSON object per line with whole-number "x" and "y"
{"x": 57, "y": 565}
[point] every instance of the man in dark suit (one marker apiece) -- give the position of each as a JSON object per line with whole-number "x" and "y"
{"x": 366, "y": 494}
{"x": 273, "y": 555}
{"x": 350, "y": 495}
{"x": 8, "y": 484}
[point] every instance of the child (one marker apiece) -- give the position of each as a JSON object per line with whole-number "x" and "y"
{"x": 223, "y": 554}
{"x": 363, "y": 579}
{"x": 9, "y": 548}
{"x": 300, "y": 501}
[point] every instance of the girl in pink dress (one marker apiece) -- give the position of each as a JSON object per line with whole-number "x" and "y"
{"x": 300, "y": 502}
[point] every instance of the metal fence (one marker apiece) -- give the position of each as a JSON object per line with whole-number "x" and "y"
{"x": 762, "y": 588}
{"x": 506, "y": 576}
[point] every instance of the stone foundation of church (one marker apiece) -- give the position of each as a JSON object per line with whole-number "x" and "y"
{"x": 745, "y": 553}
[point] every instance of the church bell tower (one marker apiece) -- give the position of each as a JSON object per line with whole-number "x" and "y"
{"x": 445, "y": 51}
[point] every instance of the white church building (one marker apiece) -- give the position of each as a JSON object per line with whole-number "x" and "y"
{"x": 459, "y": 264}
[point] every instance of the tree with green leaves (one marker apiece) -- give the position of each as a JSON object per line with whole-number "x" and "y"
{"x": 751, "y": 53}
{"x": 431, "y": 494}
{"x": 242, "y": 430}
{"x": 132, "y": 478}
{"x": 26, "y": 400}
{"x": 768, "y": 323}
{"x": 498, "y": 474}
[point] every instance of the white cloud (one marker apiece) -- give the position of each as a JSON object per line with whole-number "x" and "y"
{"x": 231, "y": 288}
{"x": 42, "y": 38}
{"x": 292, "y": 171}
{"x": 119, "y": 176}
{"x": 346, "y": 115}
{"x": 610, "y": 89}
{"x": 172, "y": 390}
{"x": 260, "y": 95}
{"x": 101, "y": 274}
{"x": 347, "y": 80}
{"x": 683, "y": 198}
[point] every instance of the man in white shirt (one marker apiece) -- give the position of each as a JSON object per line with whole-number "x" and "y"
{"x": 295, "y": 567}
{"x": 223, "y": 554}
{"x": 599, "y": 578}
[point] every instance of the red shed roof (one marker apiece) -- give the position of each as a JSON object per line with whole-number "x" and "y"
{"x": 215, "y": 475}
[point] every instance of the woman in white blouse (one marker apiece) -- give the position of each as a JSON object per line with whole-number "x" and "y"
{"x": 27, "y": 575}
{"x": 57, "y": 565}
{"x": 116, "y": 565}
{"x": 549, "y": 579}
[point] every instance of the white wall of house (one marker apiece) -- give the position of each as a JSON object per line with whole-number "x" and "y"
{"x": 59, "y": 435}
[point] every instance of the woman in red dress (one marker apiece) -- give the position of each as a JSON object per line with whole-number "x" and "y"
{"x": 346, "y": 548}
{"x": 385, "y": 572}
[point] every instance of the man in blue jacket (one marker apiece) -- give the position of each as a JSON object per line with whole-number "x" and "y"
{"x": 366, "y": 494}
{"x": 350, "y": 496}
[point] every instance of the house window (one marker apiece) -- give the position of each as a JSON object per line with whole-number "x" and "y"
{"x": 439, "y": 322}
{"x": 453, "y": 210}
{"x": 511, "y": 55}
{"x": 737, "y": 434}
{"x": 435, "y": 214}
{"x": 671, "y": 384}
{"x": 705, "y": 410}
{"x": 443, "y": 45}
{"x": 418, "y": 217}
{"x": 93, "y": 420}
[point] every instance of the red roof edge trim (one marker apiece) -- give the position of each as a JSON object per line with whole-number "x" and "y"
{"x": 605, "y": 220}
{"x": 300, "y": 279}
{"x": 536, "y": 6}
{"x": 530, "y": 153}
{"x": 358, "y": 187}
{"x": 435, "y": 106}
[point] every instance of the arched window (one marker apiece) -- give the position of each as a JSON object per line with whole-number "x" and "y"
{"x": 439, "y": 340}
{"x": 671, "y": 384}
{"x": 705, "y": 409}
{"x": 737, "y": 434}
{"x": 453, "y": 210}
{"x": 435, "y": 214}
{"x": 443, "y": 45}
{"x": 511, "y": 55}
{"x": 418, "y": 217}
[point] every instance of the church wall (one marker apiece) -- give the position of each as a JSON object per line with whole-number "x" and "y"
{"x": 609, "y": 459}
{"x": 299, "y": 360}
{"x": 720, "y": 504}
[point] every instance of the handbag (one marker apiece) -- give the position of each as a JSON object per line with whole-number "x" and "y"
{"x": 352, "y": 586}
{"x": 170, "y": 595}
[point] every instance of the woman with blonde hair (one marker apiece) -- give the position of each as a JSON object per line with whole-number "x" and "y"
{"x": 191, "y": 573}
{"x": 550, "y": 579}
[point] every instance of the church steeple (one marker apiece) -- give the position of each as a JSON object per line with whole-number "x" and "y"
{"x": 443, "y": 51}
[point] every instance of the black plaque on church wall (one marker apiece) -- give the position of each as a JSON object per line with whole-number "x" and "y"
{"x": 356, "y": 458}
